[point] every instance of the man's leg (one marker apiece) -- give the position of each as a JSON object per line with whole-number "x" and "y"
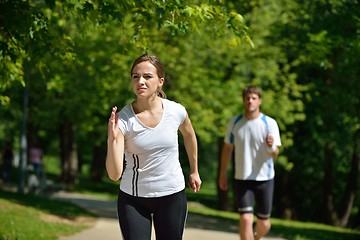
{"x": 262, "y": 228}
{"x": 245, "y": 202}
{"x": 246, "y": 226}
{"x": 264, "y": 196}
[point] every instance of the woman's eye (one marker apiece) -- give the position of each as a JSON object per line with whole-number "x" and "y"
{"x": 135, "y": 77}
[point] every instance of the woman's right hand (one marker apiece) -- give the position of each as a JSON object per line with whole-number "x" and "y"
{"x": 115, "y": 148}
{"x": 113, "y": 129}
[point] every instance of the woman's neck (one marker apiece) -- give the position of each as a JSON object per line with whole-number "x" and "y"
{"x": 153, "y": 104}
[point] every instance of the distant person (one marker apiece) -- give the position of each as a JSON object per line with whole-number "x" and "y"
{"x": 8, "y": 157}
{"x": 36, "y": 178}
{"x": 152, "y": 187}
{"x": 255, "y": 138}
{"x": 35, "y": 158}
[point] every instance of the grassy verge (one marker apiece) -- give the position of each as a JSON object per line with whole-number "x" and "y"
{"x": 290, "y": 230}
{"x": 29, "y": 217}
{"x": 204, "y": 203}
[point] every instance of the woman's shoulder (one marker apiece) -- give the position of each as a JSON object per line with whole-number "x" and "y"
{"x": 127, "y": 107}
{"x": 175, "y": 109}
{"x": 172, "y": 105}
{"x": 126, "y": 111}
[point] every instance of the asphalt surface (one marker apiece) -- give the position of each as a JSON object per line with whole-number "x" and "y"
{"x": 107, "y": 227}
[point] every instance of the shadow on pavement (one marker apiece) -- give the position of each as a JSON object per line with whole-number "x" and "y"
{"x": 99, "y": 207}
{"x": 210, "y": 223}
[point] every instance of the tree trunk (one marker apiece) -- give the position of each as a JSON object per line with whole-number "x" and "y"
{"x": 330, "y": 212}
{"x": 282, "y": 200}
{"x": 356, "y": 224}
{"x": 69, "y": 155}
{"x": 98, "y": 163}
{"x": 352, "y": 183}
{"x": 332, "y": 216}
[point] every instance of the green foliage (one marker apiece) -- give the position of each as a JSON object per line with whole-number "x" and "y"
{"x": 30, "y": 29}
{"x": 65, "y": 68}
{"x": 323, "y": 45}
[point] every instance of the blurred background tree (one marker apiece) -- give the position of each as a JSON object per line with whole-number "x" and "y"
{"x": 73, "y": 59}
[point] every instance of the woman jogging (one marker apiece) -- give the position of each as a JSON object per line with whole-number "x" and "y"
{"x": 143, "y": 151}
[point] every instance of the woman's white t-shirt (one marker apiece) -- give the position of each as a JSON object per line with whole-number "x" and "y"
{"x": 152, "y": 167}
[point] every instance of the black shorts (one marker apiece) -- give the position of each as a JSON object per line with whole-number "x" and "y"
{"x": 136, "y": 215}
{"x": 250, "y": 192}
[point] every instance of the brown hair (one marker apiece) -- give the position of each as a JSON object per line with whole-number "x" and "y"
{"x": 252, "y": 89}
{"x": 157, "y": 64}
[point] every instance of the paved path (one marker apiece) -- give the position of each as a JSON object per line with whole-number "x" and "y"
{"x": 107, "y": 228}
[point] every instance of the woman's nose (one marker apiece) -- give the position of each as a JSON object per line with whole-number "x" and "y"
{"x": 142, "y": 80}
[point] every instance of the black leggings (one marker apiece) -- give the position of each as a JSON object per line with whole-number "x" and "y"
{"x": 136, "y": 214}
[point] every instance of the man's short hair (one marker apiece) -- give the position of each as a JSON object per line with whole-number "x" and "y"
{"x": 252, "y": 89}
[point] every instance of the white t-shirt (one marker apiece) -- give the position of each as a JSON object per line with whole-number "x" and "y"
{"x": 152, "y": 167}
{"x": 252, "y": 160}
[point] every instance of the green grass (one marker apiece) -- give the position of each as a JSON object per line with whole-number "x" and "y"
{"x": 204, "y": 203}
{"x": 29, "y": 217}
{"x": 290, "y": 230}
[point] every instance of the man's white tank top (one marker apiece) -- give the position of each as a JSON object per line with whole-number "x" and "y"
{"x": 152, "y": 167}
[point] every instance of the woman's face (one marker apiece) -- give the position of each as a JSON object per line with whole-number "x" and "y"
{"x": 145, "y": 80}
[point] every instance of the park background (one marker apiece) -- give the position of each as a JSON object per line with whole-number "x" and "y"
{"x": 64, "y": 64}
